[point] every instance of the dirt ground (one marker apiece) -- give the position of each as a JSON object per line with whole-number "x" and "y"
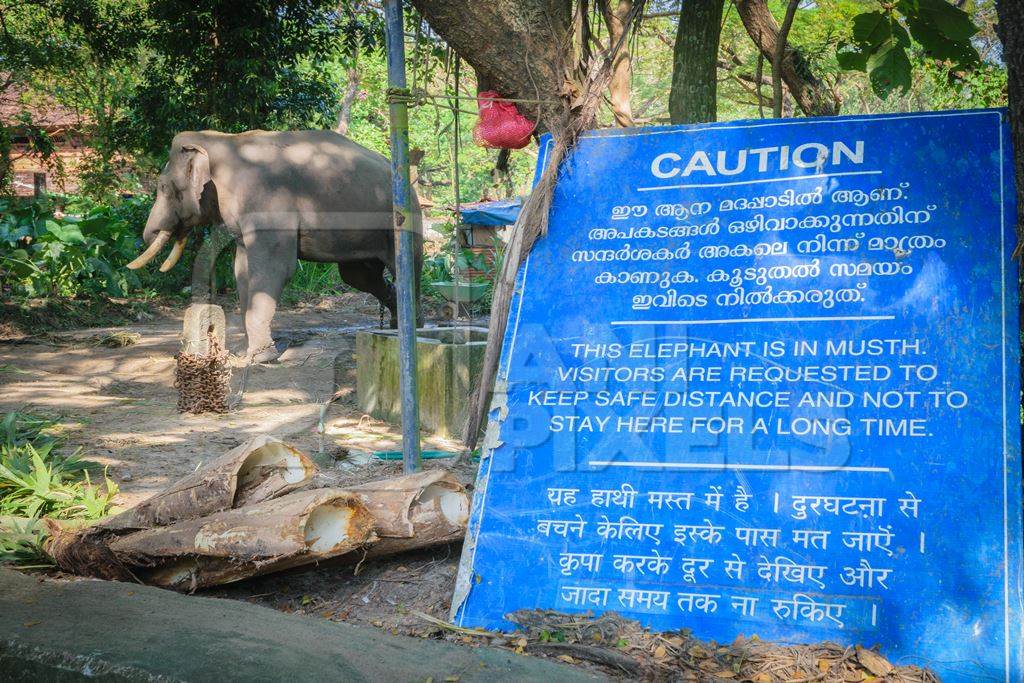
{"x": 118, "y": 406}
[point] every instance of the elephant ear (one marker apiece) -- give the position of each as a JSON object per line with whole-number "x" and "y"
{"x": 198, "y": 171}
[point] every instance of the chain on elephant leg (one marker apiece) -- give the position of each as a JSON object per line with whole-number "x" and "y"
{"x": 240, "y": 394}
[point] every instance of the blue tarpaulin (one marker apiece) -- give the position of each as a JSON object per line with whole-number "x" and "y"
{"x": 503, "y": 212}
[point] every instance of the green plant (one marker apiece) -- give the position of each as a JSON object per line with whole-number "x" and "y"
{"x": 313, "y": 280}
{"x": 17, "y": 428}
{"x": 882, "y": 40}
{"x": 436, "y": 268}
{"x": 37, "y": 483}
{"x": 69, "y": 247}
{"x": 316, "y": 278}
{"x": 21, "y": 543}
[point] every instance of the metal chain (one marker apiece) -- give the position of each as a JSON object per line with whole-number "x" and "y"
{"x": 203, "y": 381}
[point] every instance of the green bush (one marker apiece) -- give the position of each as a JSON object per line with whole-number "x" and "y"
{"x": 314, "y": 280}
{"x": 36, "y": 482}
{"x": 70, "y": 247}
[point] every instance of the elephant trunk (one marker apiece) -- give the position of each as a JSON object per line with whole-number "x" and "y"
{"x": 151, "y": 251}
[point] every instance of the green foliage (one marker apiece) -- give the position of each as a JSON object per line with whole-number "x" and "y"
{"x": 978, "y": 89}
{"x": 436, "y": 268}
{"x": 137, "y": 71}
{"x": 18, "y": 428}
{"x": 21, "y": 543}
{"x": 35, "y": 483}
{"x": 313, "y": 280}
{"x": 75, "y": 248}
{"x": 453, "y": 265}
{"x": 882, "y": 41}
{"x": 234, "y": 66}
{"x": 85, "y": 56}
{"x": 36, "y": 144}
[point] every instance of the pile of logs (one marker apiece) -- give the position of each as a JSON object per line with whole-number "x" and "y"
{"x": 250, "y": 512}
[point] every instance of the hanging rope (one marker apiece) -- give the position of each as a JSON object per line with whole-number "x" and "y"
{"x": 414, "y": 97}
{"x": 456, "y": 143}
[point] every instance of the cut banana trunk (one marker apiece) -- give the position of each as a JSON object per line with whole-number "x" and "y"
{"x": 415, "y": 511}
{"x": 300, "y": 528}
{"x": 259, "y": 469}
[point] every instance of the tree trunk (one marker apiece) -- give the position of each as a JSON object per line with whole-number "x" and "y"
{"x": 694, "y": 94}
{"x": 780, "y": 54}
{"x": 1011, "y": 33}
{"x": 304, "y": 527}
{"x": 345, "y": 111}
{"x": 621, "y": 86}
{"x": 239, "y": 517}
{"x": 516, "y": 45}
{"x": 812, "y": 96}
{"x": 415, "y": 511}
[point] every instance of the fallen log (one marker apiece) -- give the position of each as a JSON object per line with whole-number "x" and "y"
{"x": 299, "y": 528}
{"x": 253, "y": 472}
{"x": 415, "y": 511}
{"x": 259, "y": 469}
{"x": 239, "y": 517}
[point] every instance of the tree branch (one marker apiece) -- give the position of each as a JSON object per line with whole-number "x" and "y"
{"x": 812, "y": 95}
{"x": 620, "y": 87}
{"x": 517, "y": 46}
{"x": 777, "y": 56}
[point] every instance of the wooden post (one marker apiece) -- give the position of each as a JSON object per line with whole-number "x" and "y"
{"x": 200, "y": 321}
{"x": 38, "y": 184}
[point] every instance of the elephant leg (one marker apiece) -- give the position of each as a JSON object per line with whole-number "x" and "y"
{"x": 368, "y": 276}
{"x": 242, "y": 279}
{"x": 271, "y": 255}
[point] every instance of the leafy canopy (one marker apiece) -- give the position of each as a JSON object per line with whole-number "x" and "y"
{"x": 883, "y": 38}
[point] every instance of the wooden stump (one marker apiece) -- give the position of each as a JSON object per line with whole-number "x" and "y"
{"x": 200, "y": 321}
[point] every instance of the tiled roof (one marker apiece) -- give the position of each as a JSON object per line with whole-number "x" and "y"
{"x": 45, "y": 112}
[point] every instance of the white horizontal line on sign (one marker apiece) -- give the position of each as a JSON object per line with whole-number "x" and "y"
{"x": 723, "y": 321}
{"x": 654, "y": 188}
{"x": 738, "y": 466}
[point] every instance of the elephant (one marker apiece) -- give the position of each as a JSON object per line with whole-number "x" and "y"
{"x": 313, "y": 195}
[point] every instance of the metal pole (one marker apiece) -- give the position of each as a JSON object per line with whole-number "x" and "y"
{"x": 404, "y": 236}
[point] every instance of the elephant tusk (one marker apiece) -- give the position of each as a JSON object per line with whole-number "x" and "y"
{"x": 176, "y": 252}
{"x": 151, "y": 251}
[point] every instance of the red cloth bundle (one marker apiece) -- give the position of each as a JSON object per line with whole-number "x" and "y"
{"x": 500, "y": 125}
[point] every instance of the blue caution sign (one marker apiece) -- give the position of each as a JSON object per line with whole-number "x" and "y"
{"x": 763, "y": 377}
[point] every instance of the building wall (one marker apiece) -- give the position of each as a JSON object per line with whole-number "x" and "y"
{"x": 26, "y": 167}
